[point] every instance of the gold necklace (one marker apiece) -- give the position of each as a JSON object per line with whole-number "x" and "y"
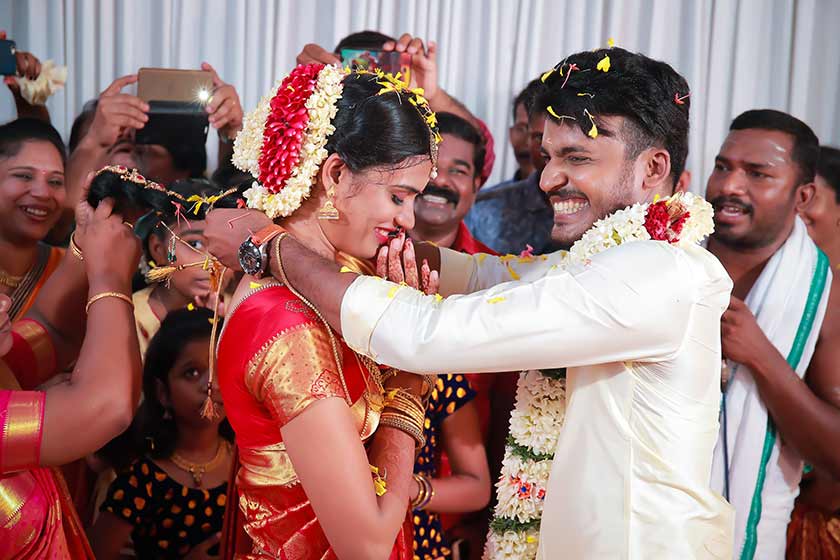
{"x": 197, "y": 470}
{"x": 10, "y": 281}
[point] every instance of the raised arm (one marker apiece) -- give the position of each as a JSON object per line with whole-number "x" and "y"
{"x": 97, "y": 402}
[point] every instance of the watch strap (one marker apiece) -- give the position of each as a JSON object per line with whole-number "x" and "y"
{"x": 266, "y": 234}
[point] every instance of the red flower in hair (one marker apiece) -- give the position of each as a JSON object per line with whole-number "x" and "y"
{"x": 285, "y": 127}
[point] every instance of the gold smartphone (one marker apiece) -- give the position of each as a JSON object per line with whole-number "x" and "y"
{"x": 169, "y": 84}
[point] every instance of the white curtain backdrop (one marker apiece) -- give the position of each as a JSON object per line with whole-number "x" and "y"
{"x": 736, "y": 54}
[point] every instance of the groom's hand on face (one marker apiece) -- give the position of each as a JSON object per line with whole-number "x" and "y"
{"x": 227, "y": 228}
{"x": 742, "y": 339}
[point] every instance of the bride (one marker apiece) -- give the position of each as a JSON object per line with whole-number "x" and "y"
{"x": 325, "y": 439}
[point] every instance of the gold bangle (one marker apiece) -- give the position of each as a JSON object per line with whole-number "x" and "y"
{"x": 421, "y": 494}
{"x": 104, "y": 295}
{"x": 75, "y": 248}
{"x": 430, "y": 493}
{"x": 410, "y": 414}
{"x": 407, "y": 407}
{"x": 401, "y": 423}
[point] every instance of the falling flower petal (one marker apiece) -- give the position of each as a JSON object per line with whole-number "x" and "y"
{"x": 611, "y": 42}
{"x": 495, "y": 300}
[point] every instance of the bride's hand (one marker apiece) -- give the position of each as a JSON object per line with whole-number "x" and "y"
{"x": 398, "y": 263}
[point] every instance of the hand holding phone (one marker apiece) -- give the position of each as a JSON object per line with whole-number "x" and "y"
{"x": 116, "y": 112}
{"x": 423, "y": 62}
{"x": 177, "y": 101}
{"x": 223, "y": 108}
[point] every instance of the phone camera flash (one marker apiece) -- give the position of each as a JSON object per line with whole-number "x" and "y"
{"x": 203, "y": 95}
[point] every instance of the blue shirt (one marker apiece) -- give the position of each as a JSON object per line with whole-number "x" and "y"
{"x": 508, "y": 216}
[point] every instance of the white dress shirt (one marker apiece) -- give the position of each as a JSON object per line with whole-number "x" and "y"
{"x": 638, "y": 328}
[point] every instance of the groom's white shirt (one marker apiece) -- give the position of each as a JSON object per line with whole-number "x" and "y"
{"x": 639, "y": 329}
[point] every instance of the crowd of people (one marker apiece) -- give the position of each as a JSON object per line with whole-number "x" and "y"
{"x": 315, "y": 350}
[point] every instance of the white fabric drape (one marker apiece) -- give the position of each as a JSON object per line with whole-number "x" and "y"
{"x": 736, "y": 54}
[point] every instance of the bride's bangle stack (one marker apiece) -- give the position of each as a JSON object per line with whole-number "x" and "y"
{"x": 406, "y": 413}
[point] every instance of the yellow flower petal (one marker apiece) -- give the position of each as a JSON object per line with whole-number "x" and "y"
{"x": 480, "y": 257}
{"x": 495, "y": 300}
{"x": 531, "y": 539}
{"x": 593, "y": 132}
{"x": 393, "y": 291}
{"x": 512, "y": 272}
{"x": 438, "y": 298}
{"x": 552, "y": 113}
{"x": 611, "y": 42}
{"x": 345, "y": 269}
{"x": 604, "y": 64}
{"x": 254, "y": 285}
{"x": 546, "y": 74}
{"x": 190, "y": 307}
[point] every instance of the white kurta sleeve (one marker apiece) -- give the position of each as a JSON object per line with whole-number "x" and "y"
{"x": 464, "y": 274}
{"x": 629, "y": 303}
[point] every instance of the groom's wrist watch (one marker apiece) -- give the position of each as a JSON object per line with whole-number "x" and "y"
{"x": 253, "y": 253}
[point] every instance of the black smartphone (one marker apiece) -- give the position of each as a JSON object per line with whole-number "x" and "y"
{"x": 8, "y": 62}
{"x": 174, "y": 122}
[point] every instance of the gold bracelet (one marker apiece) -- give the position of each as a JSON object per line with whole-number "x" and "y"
{"x": 75, "y": 248}
{"x": 421, "y": 494}
{"x": 401, "y": 423}
{"x": 430, "y": 493}
{"x": 104, "y": 295}
{"x": 407, "y": 407}
{"x": 409, "y": 413}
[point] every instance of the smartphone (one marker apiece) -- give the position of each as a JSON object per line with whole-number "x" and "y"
{"x": 375, "y": 59}
{"x": 174, "y": 122}
{"x": 8, "y": 62}
{"x": 168, "y": 84}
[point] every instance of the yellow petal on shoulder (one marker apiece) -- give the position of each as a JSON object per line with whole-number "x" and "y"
{"x": 254, "y": 285}
{"x": 393, "y": 291}
{"x": 495, "y": 300}
{"x": 345, "y": 269}
{"x": 438, "y": 298}
{"x": 480, "y": 257}
{"x": 190, "y": 307}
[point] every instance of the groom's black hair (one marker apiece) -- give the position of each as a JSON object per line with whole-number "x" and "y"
{"x": 649, "y": 94}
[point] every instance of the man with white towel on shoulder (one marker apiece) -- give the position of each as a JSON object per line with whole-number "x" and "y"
{"x": 781, "y": 340}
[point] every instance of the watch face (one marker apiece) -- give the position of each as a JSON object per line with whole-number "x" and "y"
{"x": 250, "y": 258}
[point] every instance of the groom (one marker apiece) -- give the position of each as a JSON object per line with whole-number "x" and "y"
{"x": 637, "y": 326}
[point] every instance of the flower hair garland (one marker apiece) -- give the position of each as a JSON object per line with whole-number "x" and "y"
{"x": 282, "y": 142}
{"x": 536, "y": 421}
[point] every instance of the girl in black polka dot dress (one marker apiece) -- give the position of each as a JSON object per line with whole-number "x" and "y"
{"x": 171, "y": 501}
{"x": 452, "y": 426}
